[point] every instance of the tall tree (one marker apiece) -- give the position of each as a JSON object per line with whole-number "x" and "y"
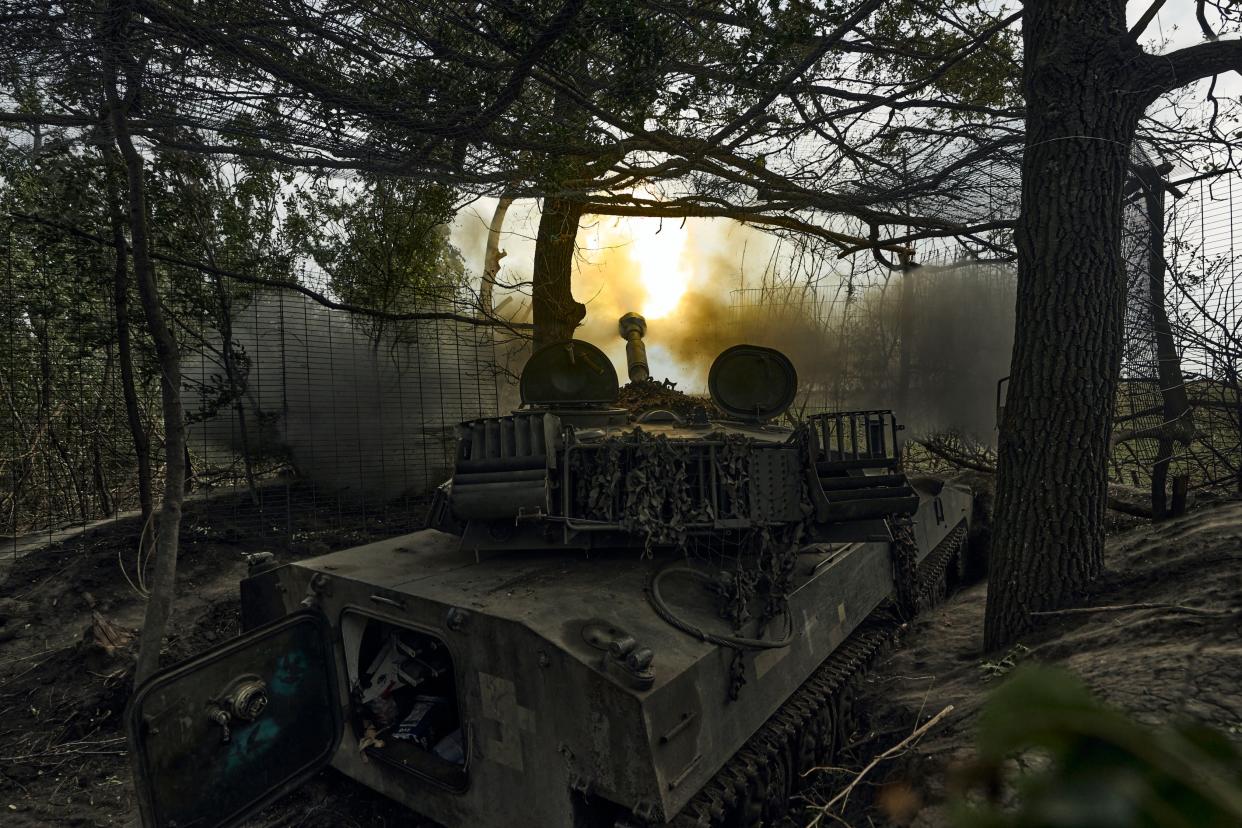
{"x": 115, "y": 173}
{"x": 581, "y": 102}
{"x": 1087, "y": 84}
{"x": 120, "y": 67}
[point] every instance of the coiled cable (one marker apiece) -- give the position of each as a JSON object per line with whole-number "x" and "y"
{"x": 662, "y": 609}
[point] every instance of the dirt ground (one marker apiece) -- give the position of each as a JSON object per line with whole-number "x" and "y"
{"x": 62, "y": 748}
{"x": 1158, "y": 665}
{"x": 62, "y": 694}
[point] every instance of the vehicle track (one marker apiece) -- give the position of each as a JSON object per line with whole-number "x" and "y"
{"x": 756, "y": 785}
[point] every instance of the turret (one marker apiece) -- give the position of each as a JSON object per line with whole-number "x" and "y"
{"x": 633, "y": 327}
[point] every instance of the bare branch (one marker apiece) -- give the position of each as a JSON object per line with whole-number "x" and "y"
{"x": 656, "y": 209}
{"x": 1145, "y": 20}
{"x": 1201, "y": 17}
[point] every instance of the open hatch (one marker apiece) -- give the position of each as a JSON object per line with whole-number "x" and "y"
{"x": 404, "y": 703}
{"x": 218, "y": 736}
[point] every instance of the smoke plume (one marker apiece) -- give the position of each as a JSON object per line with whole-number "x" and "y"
{"x": 361, "y": 410}
{"x": 845, "y": 339}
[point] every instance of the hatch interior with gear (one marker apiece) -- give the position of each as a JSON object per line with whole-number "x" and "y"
{"x": 403, "y": 690}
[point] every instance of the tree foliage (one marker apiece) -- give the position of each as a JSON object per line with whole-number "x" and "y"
{"x": 383, "y": 244}
{"x": 866, "y": 125}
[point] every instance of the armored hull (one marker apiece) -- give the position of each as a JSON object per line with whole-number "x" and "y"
{"x": 552, "y": 724}
{"x": 617, "y": 611}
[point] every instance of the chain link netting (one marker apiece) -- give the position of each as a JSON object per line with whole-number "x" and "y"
{"x": 933, "y": 340}
{"x": 318, "y": 420}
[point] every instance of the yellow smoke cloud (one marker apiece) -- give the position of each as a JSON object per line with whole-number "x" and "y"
{"x": 678, "y": 275}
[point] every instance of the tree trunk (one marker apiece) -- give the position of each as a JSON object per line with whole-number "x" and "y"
{"x": 1231, "y": 374}
{"x": 120, "y": 298}
{"x": 1176, "y": 404}
{"x": 556, "y": 312}
{"x": 228, "y": 357}
{"x": 1160, "y": 479}
{"x": 492, "y": 254}
{"x": 159, "y": 604}
{"x": 906, "y": 314}
{"x": 1052, "y": 486}
{"x": 97, "y": 464}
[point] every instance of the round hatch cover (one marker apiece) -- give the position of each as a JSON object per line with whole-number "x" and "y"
{"x": 572, "y": 372}
{"x": 751, "y": 382}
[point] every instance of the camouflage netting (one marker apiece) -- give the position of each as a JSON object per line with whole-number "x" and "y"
{"x": 652, "y": 487}
{"x": 649, "y": 395}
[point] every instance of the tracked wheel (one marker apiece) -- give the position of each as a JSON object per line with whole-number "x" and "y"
{"x": 940, "y": 571}
{"x": 780, "y": 784}
{"x": 814, "y": 725}
{"x": 847, "y": 718}
{"x": 827, "y": 732}
{"x": 748, "y": 810}
{"x": 805, "y": 752}
{"x": 957, "y": 572}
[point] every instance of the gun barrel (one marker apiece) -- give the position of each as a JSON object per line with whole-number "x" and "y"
{"x": 632, "y": 328}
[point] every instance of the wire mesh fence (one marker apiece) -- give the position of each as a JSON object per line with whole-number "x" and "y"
{"x": 934, "y": 340}
{"x": 1205, "y": 310}
{"x": 304, "y": 416}
{"x": 300, "y": 417}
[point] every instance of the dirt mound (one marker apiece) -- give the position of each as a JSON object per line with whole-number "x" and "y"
{"x": 1152, "y": 653}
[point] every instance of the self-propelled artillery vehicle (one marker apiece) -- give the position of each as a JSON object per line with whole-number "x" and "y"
{"x": 614, "y": 620}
